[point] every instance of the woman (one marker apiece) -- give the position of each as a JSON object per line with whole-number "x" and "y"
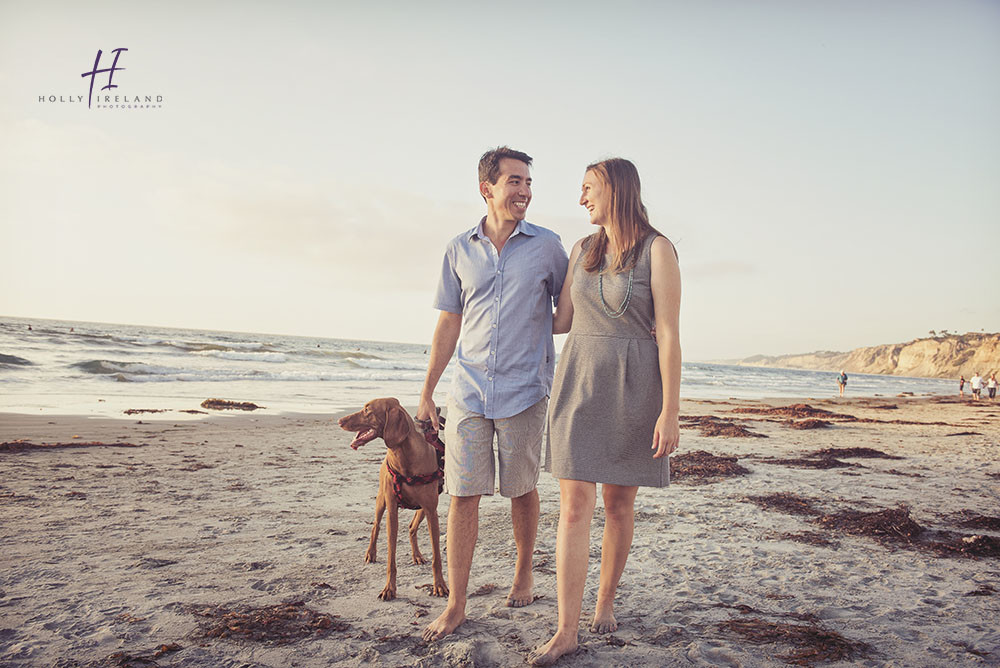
{"x": 613, "y": 415}
{"x": 842, "y": 381}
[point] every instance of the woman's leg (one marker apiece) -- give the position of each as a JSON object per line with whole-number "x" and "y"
{"x": 576, "y": 509}
{"x": 619, "y": 522}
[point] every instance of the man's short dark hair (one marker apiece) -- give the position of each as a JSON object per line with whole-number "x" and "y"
{"x": 489, "y": 164}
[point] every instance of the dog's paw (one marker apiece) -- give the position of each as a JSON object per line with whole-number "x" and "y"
{"x": 388, "y": 594}
{"x": 418, "y": 558}
{"x": 439, "y": 589}
{"x": 370, "y": 557}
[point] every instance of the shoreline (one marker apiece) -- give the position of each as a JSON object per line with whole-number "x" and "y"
{"x": 130, "y": 549}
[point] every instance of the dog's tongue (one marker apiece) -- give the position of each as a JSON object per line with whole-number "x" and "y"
{"x": 362, "y": 438}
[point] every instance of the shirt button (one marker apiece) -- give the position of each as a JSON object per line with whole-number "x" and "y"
{"x": 494, "y": 325}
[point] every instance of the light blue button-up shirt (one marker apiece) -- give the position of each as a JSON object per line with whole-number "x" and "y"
{"x": 505, "y": 357}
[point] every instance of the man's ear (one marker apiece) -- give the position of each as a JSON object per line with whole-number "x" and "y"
{"x": 397, "y": 427}
{"x": 486, "y": 189}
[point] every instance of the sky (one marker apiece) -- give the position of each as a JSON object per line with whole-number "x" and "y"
{"x": 827, "y": 170}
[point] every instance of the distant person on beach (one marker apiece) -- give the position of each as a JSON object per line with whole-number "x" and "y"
{"x": 842, "y": 382}
{"x": 616, "y": 395}
{"x": 976, "y": 383}
{"x": 991, "y": 386}
{"x": 497, "y": 287}
{"x": 961, "y": 386}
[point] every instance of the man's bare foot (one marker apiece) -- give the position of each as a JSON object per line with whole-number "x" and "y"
{"x": 448, "y": 621}
{"x": 549, "y": 653}
{"x": 520, "y": 592}
{"x": 604, "y": 621}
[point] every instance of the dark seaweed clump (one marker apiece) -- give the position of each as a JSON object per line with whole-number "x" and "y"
{"x": 709, "y": 425}
{"x": 703, "y": 466}
{"x": 811, "y": 643}
{"x": 224, "y": 404}
{"x": 784, "y": 502}
{"x": 276, "y": 624}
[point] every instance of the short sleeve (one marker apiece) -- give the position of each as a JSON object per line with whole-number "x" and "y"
{"x": 449, "y": 291}
{"x": 559, "y": 263}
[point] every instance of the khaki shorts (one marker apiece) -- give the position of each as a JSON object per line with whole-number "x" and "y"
{"x": 469, "y": 468}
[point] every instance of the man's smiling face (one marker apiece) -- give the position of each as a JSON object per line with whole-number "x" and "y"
{"x": 509, "y": 197}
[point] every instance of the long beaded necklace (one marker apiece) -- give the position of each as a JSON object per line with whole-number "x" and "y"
{"x": 620, "y": 311}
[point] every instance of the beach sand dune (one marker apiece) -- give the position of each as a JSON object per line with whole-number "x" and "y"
{"x": 239, "y": 541}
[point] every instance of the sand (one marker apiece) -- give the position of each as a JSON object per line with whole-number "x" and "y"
{"x": 238, "y": 540}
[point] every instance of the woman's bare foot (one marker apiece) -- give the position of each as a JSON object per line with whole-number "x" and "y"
{"x": 604, "y": 620}
{"x": 560, "y": 644}
{"x": 520, "y": 592}
{"x": 448, "y": 621}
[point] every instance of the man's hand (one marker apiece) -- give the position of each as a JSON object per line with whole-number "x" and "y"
{"x": 426, "y": 410}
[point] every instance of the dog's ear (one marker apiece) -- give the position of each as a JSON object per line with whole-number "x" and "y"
{"x": 397, "y": 426}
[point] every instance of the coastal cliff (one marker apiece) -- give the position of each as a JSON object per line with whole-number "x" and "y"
{"x": 944, "y": 356}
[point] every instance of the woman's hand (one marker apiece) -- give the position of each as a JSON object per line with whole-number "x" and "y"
{"x": 666, "y": 435}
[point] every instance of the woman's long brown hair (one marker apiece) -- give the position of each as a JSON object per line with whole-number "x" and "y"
{"x": 628, "y": 217}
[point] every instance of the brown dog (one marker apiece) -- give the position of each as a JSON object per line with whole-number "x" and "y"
{"x": 409, "y": 477}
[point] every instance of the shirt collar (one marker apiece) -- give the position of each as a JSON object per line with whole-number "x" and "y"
{"x": 523, "y": 227}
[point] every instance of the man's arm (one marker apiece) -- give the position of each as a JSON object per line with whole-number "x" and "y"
{"x": 446, "y": 334}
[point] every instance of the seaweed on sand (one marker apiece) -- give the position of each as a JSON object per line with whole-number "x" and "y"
{"x": 811, "y": 643}
{"x": 827, "y": 458}
{"x": 795, "y": 411}
{"x": 960, "y": 545}
{"x": 225, "y": 404}
{"x": 894, "y": 526}
{"x": 712, "y": 426}
{"x": 784, "y": 502}
{"x": 984, "y": 590}
{"x": 810, "y": 538}
{"x": 810, "y": 423}
{"x": 703, "y": 466}
{"x": 859, "y": 453}
{"x": 889, "y": 525}
{"x": 972, "y": 520}
{"x": 811, "y": 462}
{"x": 124, "y": 659}
{"x": 17, "y": 446}
{"x": 276, "y": 624}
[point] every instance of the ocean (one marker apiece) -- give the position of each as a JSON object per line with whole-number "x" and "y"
{"x": 60, "y": 367}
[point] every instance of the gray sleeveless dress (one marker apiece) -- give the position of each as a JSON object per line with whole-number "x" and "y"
{"x": 607, "y": 392}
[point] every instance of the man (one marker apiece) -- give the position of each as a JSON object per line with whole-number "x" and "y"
{"x": 977, "y": 386}
{"x": 497, "y": 287}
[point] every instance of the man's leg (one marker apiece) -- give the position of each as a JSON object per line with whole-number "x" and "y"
{"x": 468, "y": 474}
{"x": 524, "y": 516}
{"x": 519, "y": 449}
{"x": 463, "y": 529}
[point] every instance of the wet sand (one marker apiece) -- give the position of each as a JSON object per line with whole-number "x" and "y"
{"x": 238, "y": 540}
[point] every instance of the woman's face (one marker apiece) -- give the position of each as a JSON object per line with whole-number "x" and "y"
{"x": 596, "y": 197}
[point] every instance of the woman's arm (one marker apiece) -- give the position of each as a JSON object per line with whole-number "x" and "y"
{"x": 563, "y": 318}
{"x": 665, "y": 282}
